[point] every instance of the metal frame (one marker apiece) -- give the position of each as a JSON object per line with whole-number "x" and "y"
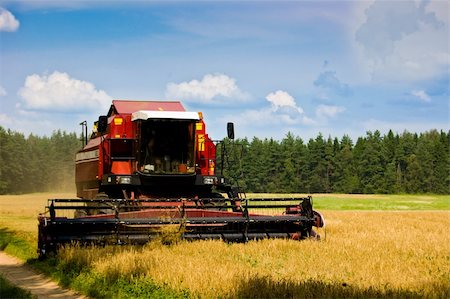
{"x": 140, "y": 221}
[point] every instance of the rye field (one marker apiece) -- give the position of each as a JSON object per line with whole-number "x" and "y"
{"x": 373, "y": 246}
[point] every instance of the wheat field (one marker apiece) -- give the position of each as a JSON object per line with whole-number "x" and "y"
{"x": 363, "y": 254}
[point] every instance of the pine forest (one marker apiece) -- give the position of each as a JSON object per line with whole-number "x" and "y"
{"x": 391, "y": 163}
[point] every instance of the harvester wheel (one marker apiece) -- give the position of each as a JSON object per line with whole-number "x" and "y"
{"x": 80, "y": 213}
{"x": 217, "y": 202}
{"x": 102, "y": 196}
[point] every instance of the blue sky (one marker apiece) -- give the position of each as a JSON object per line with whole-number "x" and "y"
{"x": 335, "y": 67}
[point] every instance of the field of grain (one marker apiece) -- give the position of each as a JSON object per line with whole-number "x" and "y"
{"x": 364, "y": 254}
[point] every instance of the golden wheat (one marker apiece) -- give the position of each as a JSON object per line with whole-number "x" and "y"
{"x": 19, "y": 212}
{"x": 382, "y": 251}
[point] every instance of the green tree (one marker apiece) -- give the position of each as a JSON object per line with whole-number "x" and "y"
{"x": 414, "y": 175}
{"x": 347, "y": 180}
{"x": 317, "y": 165}
{"x": 289, "y": 172}
{"x": 371, "y": 164}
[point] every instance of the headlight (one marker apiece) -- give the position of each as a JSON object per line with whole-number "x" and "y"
{"x": 208, "y": 180}
{"x": 124, "y": 180}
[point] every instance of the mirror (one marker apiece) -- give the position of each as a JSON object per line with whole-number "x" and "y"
{"x": 102, "y": 124}
{"x": 230, "y": 130}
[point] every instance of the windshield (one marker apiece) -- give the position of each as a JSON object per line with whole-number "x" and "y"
{"x": 167, "y": 146}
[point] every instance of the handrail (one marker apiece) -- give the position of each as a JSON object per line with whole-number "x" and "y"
{"x": 207, "y": 199}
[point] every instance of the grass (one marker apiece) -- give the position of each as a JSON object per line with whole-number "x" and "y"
{"x": 382, "y": 253}
{"x": 7, "y": 290}
{"x": 371, "y": 202}
{"x": 75, "y": 272}
{"x": 17, "y": 244}
{"x": 382, "y": 202}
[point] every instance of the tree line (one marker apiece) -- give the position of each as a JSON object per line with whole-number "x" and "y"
{"x": 37, "y": 164}
{"x": 392, "y": 163}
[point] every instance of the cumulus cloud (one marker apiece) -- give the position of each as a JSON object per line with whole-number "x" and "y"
{"x": 282, "y": 112}
{"x": 330, "y": 81}
{"x": 211, "y": 88}
{"x": 281, "y": 100}
{"x": 390, "y": 21}
{"x": 2, "y": 91}
{"x": 328, "y": 111}
{"x": 440, "y": 9}
{"x": 7, "y": 21}
{"x": 283, "y": 109}
{"x": 421, "y": 95}
{"x": 404, "y": 40}
{"x": 267, "y": 119}
{"x": 59, "y": 92}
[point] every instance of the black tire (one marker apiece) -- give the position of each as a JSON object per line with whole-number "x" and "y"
{"x": 218, "y": 201}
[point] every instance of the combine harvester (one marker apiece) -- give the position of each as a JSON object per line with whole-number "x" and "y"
{"x": 151, "y": 165}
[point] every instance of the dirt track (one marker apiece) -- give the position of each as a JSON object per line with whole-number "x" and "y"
{"x": 23, "y": 276}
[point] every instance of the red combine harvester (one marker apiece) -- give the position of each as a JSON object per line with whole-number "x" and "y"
{"x": 149, "y": 165}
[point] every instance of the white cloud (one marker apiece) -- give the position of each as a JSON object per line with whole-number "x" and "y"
{"x": 2, "y": 91}
{"x": 421, "y": 95}
{"x": 282, "y": 116}
{"x": 285, "y": 110}
{"x": 267, "y": 119}
{"x": 440, "y": 8}
{"x": 282, "y": 113}
{"x": 7, "y": 21}
{"x": 281, "y": 100}
{"x": 212, "y": 88}
{"x": 404, "y": 40}
{"x": 390, "y": 21}
{"x": 60, "y": 92}
{"x": 328, "y": 111}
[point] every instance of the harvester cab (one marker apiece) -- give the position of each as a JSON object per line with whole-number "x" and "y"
{"x": 151, "y": 164}
{"x": 144, "y": 149}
